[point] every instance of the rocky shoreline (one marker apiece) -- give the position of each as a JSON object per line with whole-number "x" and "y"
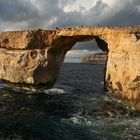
{"x": 99, "y": 58}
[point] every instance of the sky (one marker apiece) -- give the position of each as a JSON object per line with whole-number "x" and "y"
{"x": 49, "y": 14}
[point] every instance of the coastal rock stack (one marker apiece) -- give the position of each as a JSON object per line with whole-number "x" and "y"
{"x": 99, "y": 58}
{"x": 35, "y": 56}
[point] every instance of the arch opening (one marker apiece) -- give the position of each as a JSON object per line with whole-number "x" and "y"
{"x": 86, "y": 46}
{"x": 89, "y": 47}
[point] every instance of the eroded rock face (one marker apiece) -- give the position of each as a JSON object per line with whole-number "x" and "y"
{"x": 30, "y": 66}
{"x": 23, "y": 40}
{"x": 35, "y": 56}
{"x": 123, "y": 67}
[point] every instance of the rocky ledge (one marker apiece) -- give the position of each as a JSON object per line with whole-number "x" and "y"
{"x": 99, "y": 58}
{"x": 35, "y": 56}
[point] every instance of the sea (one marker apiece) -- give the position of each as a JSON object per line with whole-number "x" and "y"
{"x": 77, "y": 107}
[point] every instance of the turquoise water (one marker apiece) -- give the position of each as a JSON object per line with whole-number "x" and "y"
{"x": 76, "y": 108}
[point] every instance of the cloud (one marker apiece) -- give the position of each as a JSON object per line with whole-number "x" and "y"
{"x": 78, "y": 5}
{"x": 126, "y": 13}
{"x": 15, "y": 10}
{"x": 80, "y": 53}
{"x": 90, "y": 45}
{"x": 16, "y": 15}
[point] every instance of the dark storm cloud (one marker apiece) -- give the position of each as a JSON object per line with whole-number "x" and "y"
{"x": 16, "y": 10}
{"x": 49, "y": 13}
{"x": 129, "y": 15}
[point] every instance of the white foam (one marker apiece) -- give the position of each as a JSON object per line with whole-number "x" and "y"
{"x": 80, "y": 120}
{"x": 54, "y": 91}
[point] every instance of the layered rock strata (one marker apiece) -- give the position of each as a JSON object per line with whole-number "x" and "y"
{"x": 99, "y": 58}
{"x": 35, "y": 56}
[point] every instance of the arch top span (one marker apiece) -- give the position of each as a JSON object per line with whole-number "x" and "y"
{"x": 35, "y": 56}
{"x": 42, "y": 39}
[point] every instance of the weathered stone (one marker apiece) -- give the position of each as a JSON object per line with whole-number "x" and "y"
{"x": 123, "y": 66}
{"x": 99, "y": 58}
{"x": 30, "y": 66}
{"x": 35, "y": 56}
{"x": 30, "y": 39}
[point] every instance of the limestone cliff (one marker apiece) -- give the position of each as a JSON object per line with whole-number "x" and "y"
{"x": 99, "y": 58}
{"x": 35, "y": 56}
{"x": 30, "y": 66}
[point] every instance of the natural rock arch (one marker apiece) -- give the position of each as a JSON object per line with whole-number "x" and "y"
{"x": 35, "y": 56}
